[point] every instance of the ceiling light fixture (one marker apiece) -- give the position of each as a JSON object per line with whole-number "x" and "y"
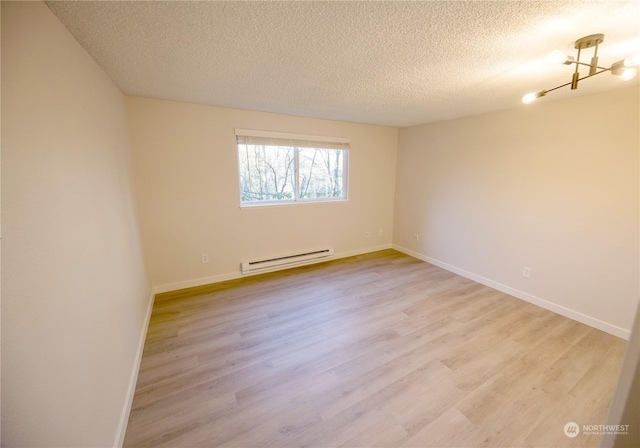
{"x": 624, "y": 68}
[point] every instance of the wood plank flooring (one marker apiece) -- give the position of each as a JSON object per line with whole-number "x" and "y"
{"x": 379, "y": 350}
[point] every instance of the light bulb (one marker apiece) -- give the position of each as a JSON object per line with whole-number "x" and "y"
{"x": 628, "y": 73}
{"x": 632, "y": 60}
{"x": 557, "y": 57}
{"x": 531, "y": 97}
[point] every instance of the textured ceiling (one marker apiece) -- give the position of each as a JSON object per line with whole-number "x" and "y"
{"x": 391, "y": 63}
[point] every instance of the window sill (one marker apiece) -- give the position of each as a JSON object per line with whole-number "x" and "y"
{"x": 291, "y": 203}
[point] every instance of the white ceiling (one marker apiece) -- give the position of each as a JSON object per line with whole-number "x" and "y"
{"x": 391, "y": 63}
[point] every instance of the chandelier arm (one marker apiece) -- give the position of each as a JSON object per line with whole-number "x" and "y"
{"x": 584, "y": 77}
{"x": 588, "y": 65}
{"x": 596, "y": 73}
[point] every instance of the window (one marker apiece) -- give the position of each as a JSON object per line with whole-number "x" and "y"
{"x": 278, "y": 168}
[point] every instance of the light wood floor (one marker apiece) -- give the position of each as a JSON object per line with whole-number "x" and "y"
{"x": 380, "y": 350}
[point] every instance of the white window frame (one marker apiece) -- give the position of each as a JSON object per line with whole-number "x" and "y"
{"x": 341, "y": 143}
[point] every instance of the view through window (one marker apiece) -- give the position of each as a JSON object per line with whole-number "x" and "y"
{"x": 277, "y": 170}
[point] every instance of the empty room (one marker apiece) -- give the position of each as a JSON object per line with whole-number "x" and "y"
{"x": 320, "y": 224}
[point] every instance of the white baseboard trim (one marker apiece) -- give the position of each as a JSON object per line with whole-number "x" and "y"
{"x": 368, "y": 250}
{"x": 559, "y": 309}
{"x": 196, "y": 282}
{"x": 124, "y": 419}
{"x": 238, "y": 274}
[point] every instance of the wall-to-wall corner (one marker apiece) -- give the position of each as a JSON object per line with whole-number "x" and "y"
{"x": 552, "y": 187}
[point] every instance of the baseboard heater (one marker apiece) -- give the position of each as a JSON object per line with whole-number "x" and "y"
{"x": 285, "y": 261}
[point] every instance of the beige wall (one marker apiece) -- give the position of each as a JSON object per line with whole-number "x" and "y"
{"x": 187, "y": 179}
{"x": 75, "y": 292}
{"x": 552, "y": 186}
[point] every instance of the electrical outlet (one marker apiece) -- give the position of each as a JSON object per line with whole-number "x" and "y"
{"x": 526, "y": 272}
{"x": 379, "y": 232}
{"x": 367, "y": 234}
{"x": 416, "y": 237}
{"x": 205, "y": 258}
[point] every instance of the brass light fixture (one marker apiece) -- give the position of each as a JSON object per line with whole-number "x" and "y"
{"x": 624, "y": 68}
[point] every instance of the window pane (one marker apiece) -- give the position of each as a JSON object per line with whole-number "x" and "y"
{"x": 266, "y": 173}
{"x": 321, "y": 173}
